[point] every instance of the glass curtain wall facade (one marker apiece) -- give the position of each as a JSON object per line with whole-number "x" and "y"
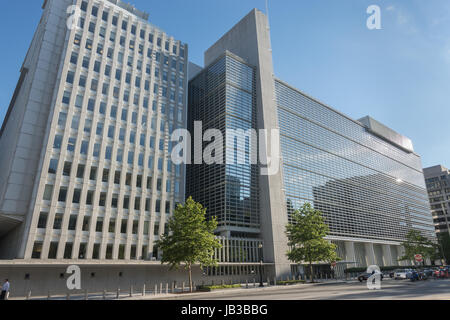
{"x": 367, "y": 187}
{"x": 222, "y": 97}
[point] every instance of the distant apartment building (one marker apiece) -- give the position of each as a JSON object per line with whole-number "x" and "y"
{"x": 437, "y": 179}
{"x": 85, "y": 167}
{"x": 364, "y": 177}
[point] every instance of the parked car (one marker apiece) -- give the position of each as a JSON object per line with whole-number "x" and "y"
{"x": 428, "y": 272}
{"x": 364, "y": 276}
{"x": 416, "y": 275}
{"x": 403, "y": 274}
{"x": 441, "y": 273}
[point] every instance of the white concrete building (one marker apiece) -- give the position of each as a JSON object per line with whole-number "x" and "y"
{"x": 85, "y": 171}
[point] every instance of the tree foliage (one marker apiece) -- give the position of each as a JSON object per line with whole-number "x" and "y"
{"x": 306, "y": 238}
{"x": 416, "y": 243}
{"x": 190, "y": 240}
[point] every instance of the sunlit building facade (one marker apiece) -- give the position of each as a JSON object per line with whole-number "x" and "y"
{"x": 86, "y": 172}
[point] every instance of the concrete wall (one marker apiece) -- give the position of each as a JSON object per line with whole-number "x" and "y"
{"x": 250, "y": 40}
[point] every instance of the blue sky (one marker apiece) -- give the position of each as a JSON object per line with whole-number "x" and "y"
{"x": 400, "y": 75}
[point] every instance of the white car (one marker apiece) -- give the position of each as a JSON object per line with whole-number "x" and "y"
{"x": 402, "y": 274}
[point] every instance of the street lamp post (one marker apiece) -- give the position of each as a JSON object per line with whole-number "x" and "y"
{"x": 261, "y": 284}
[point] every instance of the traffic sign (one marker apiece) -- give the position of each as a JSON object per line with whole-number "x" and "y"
{"x": 418, "y": 257}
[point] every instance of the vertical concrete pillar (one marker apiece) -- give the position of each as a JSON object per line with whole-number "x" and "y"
{"x": 350, "y": 254}
{"x": 370, "y": 254}
{"x": 387, "y": 255}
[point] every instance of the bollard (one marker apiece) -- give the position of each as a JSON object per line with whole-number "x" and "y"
{"x": 182, "y": 288}
{"x": 194, "y": 288}
{"x": 118, "y": 293}
{"x": 268, "y": 282}
{"x": 86, "y": 296}
{"x": 68, "y": 296}
{"x": 167, "y": 288}
{"x": 156, "y": 289}
{"x": 160, "y": 288}
{"x": 29, "y": 295}
{"x": 104, "y": 294}
{"x": 246, "y": 283}
{"x": 131, "y": 291}
{"x": 173, "y": 287}
{"x": 49, "y": 296}
{"x": 254, "y": 283}
{"x": 143, "y": 290}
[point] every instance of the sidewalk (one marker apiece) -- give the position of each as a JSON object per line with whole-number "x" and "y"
{"x": 150, "y": 295}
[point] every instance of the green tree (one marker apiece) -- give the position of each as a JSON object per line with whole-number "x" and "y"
{"x": 444, "y": 246}
{"x": 306, "y": 238}
{"x": 190, "y": 239}
{"x": 416, "y": 243}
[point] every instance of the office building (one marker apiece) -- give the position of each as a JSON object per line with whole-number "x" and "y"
{"x": 437, "y": 179}
{"x": 365, "y": 178}
{"x": 85, "y": 167}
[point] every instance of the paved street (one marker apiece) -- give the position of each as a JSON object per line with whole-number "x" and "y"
{"x": 391, "y": 290}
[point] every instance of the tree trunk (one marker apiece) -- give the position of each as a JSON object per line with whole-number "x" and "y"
{"x": 311, "y": 270}
{"x": 190, "y": 278}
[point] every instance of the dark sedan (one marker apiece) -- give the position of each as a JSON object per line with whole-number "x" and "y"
{"x": 364, "y": 276}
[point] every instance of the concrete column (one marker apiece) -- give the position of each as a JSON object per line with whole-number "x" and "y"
{"x": 350, "y": 253}
{"x": 387, "y": 255}
{"x": 370, "y": 254}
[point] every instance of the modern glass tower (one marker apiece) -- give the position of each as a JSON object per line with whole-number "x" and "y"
{"x": 85, "y": 167}
{"x": 364, "y": 177}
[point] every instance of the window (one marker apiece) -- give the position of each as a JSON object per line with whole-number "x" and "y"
{"x": 115, "y": 20}
{"x": 68, "y": 250}
{"x": 135, "y": 226}
{"x": 67, "y": 169}
{"x": 71, "y": 144}
{"x": 53, "y": 250}
{"x": 126, "y": 202}
{"x": 109, "y": 251}
{"x": 112, "y": 225}
{"x": 53, "y": 167}
{"x": 147, "y": 205}
{"x": 77, "y": 39}
{"x": 105, "y": 16}
{"x": 156, "y": 229}
{"x": 158, "y": 206}
{"x": 92, "y": 27}
{"x": 99, "y": 225}
{"x": 97, "y": 65}
{"x": 94, "y": 11}
{"x": 82, "y": 82}
{"x": 117, "y": 177}
{"x": 72, "y": 222}
{"x": 57, "y": 143}
{"x": 82, "y": 251}
{"x": 86, "y": 223}
{"x": 96, "y": 251}
{"x": 76, "y": 196}
{"x": 70, "y": 77}
{"x": 115, "y": 201}
{"x": 79, "y": 101}
{"x": 84, "y": 147}
{"x": 137, "y": 204}
{"x": 93, "y": 174}
{"x": 66, "y": 97}
{"x": 105, "y": 176}
{"x": 75, "y": 122}
{"x": 62, "y": 194}
{"x": 128, "y": 179}
{"x": 123, "y": 226}
{"x": 42, "y": 222}
{"x": 90, "y": 198}
{"x": 37, "y": 250}
{"x": 102, "y": 200}
{"x": 88, "y": 126}
{"x": 130, "y": 157}
{"x": 80, "y": 171}
{"x": 57, "y": 223}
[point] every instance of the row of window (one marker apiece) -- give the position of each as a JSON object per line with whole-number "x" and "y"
{"x": 124, "y": 26}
